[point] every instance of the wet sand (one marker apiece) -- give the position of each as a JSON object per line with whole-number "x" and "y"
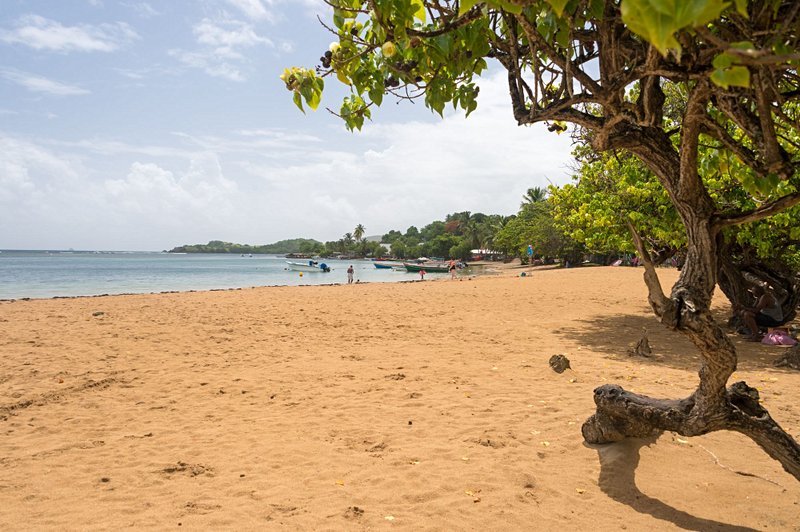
{"x": 414, "y": 406}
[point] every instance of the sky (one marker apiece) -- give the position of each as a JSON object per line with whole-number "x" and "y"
{"x": 130, "y": 125}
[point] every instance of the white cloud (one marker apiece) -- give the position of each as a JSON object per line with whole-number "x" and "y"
{"x": 108, "y": 148}
{"x": 28, "y": 172}
{"x": 36, "y": 83}
{"x": 221, "y": 48}
{"x": 52, "y": 200}
{"x": 210, "y": 64}
{"x": 416, "y": 172}
{"x": 250, "y": 141}
{"x": 253, "y": 9}
{"x": 266, "y": 10}
{"x": 143, "y": 9}
{"x": 44, "y": 34}
{"x": 262, "y": 185}
{"x": 149, "y": 188}
{"x": 226, "y": 37}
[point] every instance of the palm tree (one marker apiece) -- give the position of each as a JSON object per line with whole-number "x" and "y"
{"x": 534, "y": 195}
{"x": 472, "y": 233}
{"x": 358, "y": 232}
{"x": 490, "y": 230}
{"x": 463, "y": 219}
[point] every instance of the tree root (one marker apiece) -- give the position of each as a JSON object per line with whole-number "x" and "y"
{"x": 790, "y": 359}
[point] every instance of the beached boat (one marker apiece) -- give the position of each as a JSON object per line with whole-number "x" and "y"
{"x": 429, "y": 268}
{"x": 307, "y": 266}
{"x": 386, "y": 265}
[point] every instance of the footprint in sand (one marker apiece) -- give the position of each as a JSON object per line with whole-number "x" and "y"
{"x": 193, "y": 470}
{"x": 353, "y": 512}
{"x": 200, "y": 508}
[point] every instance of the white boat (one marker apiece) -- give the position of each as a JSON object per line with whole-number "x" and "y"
{"x": 307, "y": 266}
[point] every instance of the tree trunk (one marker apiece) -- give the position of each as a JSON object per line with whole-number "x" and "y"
{"x": 712, "y": 406}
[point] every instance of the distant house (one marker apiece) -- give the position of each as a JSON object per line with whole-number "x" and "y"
{"x": 485, "y": 254}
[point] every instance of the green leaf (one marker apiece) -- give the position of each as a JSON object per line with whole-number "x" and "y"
{"x": 338, "y": 18}
{"x": 511, "y": 7}
{"x": 659, "y": 20}
{"x": 722, "y": 61}
{"x": 466, "y": 5}
{"x": 376, "y": 95}
{"x": 558, "y": 6}
{"x": 420, "y": 10}
{"x": 596, "y": 8}
{"x": 298, "y": 101}
{"x": 444, "y": 43}
{"x": 306, "y": 91}
{"x": 342, "y": 77}
{"x": 738, "y": 76}
{"x": 313, "y": 101}
{"x": 743, "y": 45}
{"x": 471, "y": 106}
{"x": 563, "y": 34}
{"x": 741, "y": 7}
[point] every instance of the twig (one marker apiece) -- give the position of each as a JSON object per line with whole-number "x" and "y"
{"x": 743, "y": 473}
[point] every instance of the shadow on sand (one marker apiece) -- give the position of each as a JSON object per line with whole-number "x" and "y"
{"x": 612, "y": 335}
{"x": 618, "y": 463}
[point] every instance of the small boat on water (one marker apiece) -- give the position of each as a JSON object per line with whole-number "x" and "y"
{"x": 429, "y": 268}
{"x": 309, "y": 266}
{"x": 387, "y": 265}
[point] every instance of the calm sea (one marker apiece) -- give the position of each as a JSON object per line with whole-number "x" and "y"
{"x": 41, "y": 274}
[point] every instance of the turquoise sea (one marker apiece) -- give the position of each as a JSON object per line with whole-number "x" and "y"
{"x": 43, "y": 274}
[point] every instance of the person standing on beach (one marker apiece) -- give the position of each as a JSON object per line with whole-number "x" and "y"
{"x": 350, "y": 274}
{"x": 452, "y": 269}
{"x": 422, "y": 275}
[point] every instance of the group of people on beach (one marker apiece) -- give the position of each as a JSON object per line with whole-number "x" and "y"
{"x": 452, "y": 267}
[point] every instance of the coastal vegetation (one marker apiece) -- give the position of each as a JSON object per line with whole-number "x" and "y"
{"x": 454, "y": 237}
{"x": 699, "y": 93}
{"x": 295, "y": 245}
{"x": 610, "y": 189}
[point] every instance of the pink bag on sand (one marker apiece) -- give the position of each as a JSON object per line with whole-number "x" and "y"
{"x": 778, "y": 338}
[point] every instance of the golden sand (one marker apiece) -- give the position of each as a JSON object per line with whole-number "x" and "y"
{"x": 414, "y": 406}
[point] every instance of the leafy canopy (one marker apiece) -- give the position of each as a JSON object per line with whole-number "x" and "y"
{"x": 434, "y": 49}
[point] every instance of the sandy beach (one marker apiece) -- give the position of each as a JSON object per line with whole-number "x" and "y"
{"x": 411, "y": 406}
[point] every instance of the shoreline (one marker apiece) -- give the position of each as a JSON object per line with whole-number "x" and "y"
{"x": 334, "y": 408}
{"x": 439, "y": 277}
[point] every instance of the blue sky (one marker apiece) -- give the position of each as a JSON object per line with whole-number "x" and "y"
{"x": 145, "y": 125}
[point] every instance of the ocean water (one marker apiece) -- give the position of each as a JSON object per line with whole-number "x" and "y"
{"x": 44, "y": 274}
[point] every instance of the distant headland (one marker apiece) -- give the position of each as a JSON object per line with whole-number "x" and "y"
{"x": 294, "y": 245}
